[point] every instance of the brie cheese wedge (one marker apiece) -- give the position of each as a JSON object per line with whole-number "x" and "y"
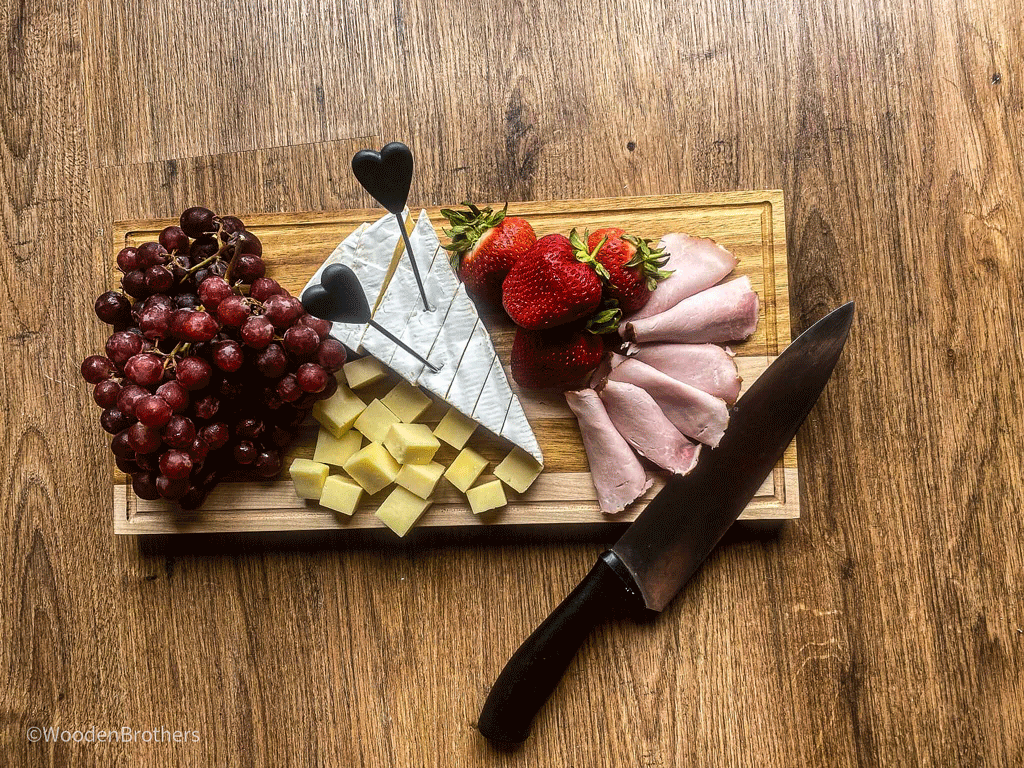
{"x": 451, "y": 335}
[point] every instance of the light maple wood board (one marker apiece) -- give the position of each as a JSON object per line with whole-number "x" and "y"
{"x": 750, "y": 224}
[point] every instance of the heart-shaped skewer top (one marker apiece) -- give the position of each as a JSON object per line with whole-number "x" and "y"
{"x": 386, "y": 175}
{"x": 339, "y": 297}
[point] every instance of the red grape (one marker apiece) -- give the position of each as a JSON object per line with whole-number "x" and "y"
{"x": 318, "y": 324}
{"x": 199, "y": 326}
{"x": 150, "y": 462}
{"x": 134, "y": 284}
{"x": 330, "y": 389}
{"x": 206, "y": 407}
{"x": 330, "y": 354}
{"x": 216, "y": 434}
{"x": 229, "y": 225}
{"x": 288, "y": 388}
{"x": 145, "y": 369}
{"x": 247, "y": 243}
{"x": 257, "y": 332}
{"x": 213, "y": 290}
{"x": 249, "y": 428}
{"x": 311, "y": 377}
{"x": 153, "y": 411}
{"x": 129, "y": 398}
{"x": 128, "y": 466}
{"x": 203, "y": 248}
{"x": 193, "y": 373}
{"x": 171, "y": 489}
{"x": 151, "y": 254}
{"x": 179, "y": 432}
{"x": 155, "y": 322}
{"x": 268, "y": 463}
{"x": 199, "y": 450}
{"x": 143, "y": 439}
{"x": 159, "y": 279}
{"x": 282, "y": 311}
{"x": 121, "y": 346}
{"x": 233, "y": 310}
{"x": 144, "y": 485}
{"x": 120, "y": 446}
{"x": 197, "y": 220}
{"x": 175, "y": 465}
{"x": 128, "y": 259}
{"x": 105, "y": 393}
{"x": 271, "y": 399}
{"x": 114, "y": 421}
{"x": 228, "y": 355}
{"x": 272, "y": 361}
{"x": 96, "y": 368}
{"x": 301, "y": 342}
{"x": 263, "y": 288}
{"x": 174, "y": 239}
{"x": 113, "y": 307}
{"x": 187, "y": 300}
{"x": 245, "y": 452}
{"x": 247, "y": 267}
{"x": 174, "y": 395}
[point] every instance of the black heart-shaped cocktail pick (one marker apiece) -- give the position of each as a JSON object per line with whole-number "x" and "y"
{"x": 340, "y": 298}
{"x": 386, "y": 175}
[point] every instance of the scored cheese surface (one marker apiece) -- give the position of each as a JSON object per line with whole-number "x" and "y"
{"x": 451, "y": 335}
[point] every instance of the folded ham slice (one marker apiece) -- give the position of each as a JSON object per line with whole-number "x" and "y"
{"x": 727, "y": 312}
{"x": 708, "y": 367}
{"x": 618, "y": 475}
{"x": 697, "y": 263}
{"x": 696, "y": 414}
{"x": 644, "y": 425}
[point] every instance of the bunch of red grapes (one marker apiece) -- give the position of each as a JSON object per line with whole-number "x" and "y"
{"x": 211, "y": 366}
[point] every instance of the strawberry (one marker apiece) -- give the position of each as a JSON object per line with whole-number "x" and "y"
{"x": 554, "y": 283}
{"x": 484, "y": 247}
{"x": 555, "y": 357}
{"x": 634, "y": 267}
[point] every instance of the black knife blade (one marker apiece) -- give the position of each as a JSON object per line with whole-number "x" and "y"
{"x": 666, "y": 544}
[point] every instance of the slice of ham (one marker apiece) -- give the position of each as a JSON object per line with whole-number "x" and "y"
{"x": 696, "y": 414}
{"x": 618, "y": 475}
{"x": 697, "y": 263}
{"x": 727, "y": 312}
{"x": 707, "y": 367}
{"x": 638, "y": 418}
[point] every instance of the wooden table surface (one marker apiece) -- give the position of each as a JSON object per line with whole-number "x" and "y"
{"x": 886, "y": 627}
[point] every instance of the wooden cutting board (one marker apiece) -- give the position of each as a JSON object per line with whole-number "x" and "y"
{"x": 750, "y": 224}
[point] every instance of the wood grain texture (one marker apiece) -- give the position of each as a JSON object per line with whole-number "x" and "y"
{"x": 750, "y": 224}
{"x": 884, "y": 628}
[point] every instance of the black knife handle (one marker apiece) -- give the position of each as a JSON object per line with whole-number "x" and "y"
{"x": 534, "y": 670}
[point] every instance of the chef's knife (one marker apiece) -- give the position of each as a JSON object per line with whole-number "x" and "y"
{"x": 659, "y": 552}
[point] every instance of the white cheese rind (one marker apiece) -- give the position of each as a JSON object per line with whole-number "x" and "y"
{"x": 451, "y": 335}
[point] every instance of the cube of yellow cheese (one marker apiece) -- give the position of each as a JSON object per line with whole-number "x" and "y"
{"x": 411, "y": 443}
{"x": 455, "y": 428}
{"x": 372, "y": 467}
{"x": 308, "y": 477}
{"x": 421, "y": 479}
{"x": 486, "y": 496}
{"x": 401, "y": 509}
{"x": 466, "y": 468}
{"x": 336, "y": 450}
{"x": 407, "y": 402}
{"x": 518, "y": 470}
{"x": 341, "y": 495}
{"x": 364, "y": 371}
{"x": 375, "y": 421}
{"x": 338, "y": 412}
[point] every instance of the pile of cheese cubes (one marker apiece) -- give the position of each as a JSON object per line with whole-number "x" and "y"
{"x": 400, "y": 451}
